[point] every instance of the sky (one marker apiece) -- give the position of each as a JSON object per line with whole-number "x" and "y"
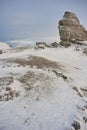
{"x": 36, "y": 20}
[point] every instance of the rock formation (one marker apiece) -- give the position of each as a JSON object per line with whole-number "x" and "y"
{"x": 70, "y": 29}
{"x": 41, "y": 45}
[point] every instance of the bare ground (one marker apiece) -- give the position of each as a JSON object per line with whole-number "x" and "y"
{"x": 37, "y": 61}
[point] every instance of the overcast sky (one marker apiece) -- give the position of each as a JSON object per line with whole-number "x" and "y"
{"x": 36, "y": 19}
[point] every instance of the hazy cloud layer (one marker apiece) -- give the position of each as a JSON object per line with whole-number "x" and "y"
{"x": 36, "y": 19}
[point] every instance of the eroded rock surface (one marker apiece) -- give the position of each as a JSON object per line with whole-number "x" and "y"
{"x": 70, "y": 29}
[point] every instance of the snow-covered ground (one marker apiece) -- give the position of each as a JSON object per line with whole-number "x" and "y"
{"x": 43, "y": 89}
{"x": 4, "y": 46}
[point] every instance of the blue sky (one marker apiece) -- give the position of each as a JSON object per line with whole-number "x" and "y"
{"x": 36, "y": 19}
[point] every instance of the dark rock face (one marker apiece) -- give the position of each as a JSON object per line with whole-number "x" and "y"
{"x": 70, "y": 29}
{"x": 54, "y": 44}
{"x": 1, "y": 52}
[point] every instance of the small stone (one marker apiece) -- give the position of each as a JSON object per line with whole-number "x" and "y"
{"x": 76, "y": 125}
{"x": 85, "y": 119}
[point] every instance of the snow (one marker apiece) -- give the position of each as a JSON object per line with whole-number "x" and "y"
{"x": 84, "y": 42}
{"x": 4, "y": 46}
{"x": 52, "y": 103}
{"x": 21, "y": 43}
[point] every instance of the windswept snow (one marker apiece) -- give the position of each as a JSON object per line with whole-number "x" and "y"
{"x": 45, "y": 98}
{"x": 4, "y": 46}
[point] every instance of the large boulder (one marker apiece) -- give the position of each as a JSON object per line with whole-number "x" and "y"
{"x": 70, "y": 29}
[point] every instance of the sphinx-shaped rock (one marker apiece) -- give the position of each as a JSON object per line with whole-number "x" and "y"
{"x": 70, "y": 29}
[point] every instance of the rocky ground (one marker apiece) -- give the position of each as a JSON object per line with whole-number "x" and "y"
{"x": 43, "y": 88}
